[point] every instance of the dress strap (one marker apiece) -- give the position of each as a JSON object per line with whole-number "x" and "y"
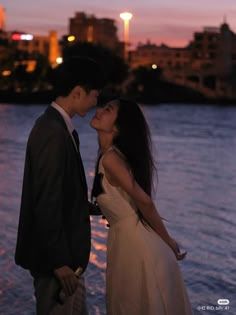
{"x": 109, "y": 149}
{"x": 113, "y": 147}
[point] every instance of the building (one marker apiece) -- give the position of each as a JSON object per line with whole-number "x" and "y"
{"x": 162, "y": 56}
{"x": 88, "y": 28}
{"x": 3, "y": 44}
{"x": 207, "y": 64}
{"x": 2, "y": 18}
{"x": 21, "y": 49}
{"x": 37, "y": 44}
{"x": 213, "y": 62}
{"x": 214, "y": 48}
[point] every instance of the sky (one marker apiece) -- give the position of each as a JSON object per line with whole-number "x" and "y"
{"x": 172, "y": 22}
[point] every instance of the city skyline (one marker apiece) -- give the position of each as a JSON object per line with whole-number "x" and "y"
{"x": 172, "y": 22}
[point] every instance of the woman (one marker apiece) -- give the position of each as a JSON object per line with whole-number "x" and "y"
{"x": 143, "y": 276}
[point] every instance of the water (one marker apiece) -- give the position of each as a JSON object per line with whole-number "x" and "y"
{"x": 195, "y": 148}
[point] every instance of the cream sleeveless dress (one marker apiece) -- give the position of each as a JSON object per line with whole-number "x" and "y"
{"x": 143, "y": 276}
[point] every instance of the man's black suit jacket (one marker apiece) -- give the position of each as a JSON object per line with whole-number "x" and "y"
{"x": 54, "y": 224}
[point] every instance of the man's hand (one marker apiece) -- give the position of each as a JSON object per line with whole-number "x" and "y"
{"x": 68, "y": 280}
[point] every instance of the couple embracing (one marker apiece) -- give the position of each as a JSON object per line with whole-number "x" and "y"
{"x": 143, "y": 276}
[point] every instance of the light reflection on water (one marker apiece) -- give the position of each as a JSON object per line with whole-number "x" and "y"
{"x": 195, "y": 147}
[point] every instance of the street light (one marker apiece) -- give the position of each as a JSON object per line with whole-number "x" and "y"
{"x": 59, "y": 60}
{"x": 6, "y": 73}
{"x": 126, "y": 17}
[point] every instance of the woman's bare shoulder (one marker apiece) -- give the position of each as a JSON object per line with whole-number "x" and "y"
{"x": 113, "y": 158}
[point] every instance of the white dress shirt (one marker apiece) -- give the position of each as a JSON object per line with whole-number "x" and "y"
{"x": 67, "y": 120}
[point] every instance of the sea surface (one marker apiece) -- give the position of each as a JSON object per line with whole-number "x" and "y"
{"x": 195, "y": 150}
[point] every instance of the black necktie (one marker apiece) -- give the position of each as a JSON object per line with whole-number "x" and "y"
{"x": 76, "y": 138}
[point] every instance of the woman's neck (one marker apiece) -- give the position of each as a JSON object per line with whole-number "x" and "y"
{"x": 105, "y": 141}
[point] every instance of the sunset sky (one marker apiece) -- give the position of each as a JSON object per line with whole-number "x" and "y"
{"x": 162, "y": 21}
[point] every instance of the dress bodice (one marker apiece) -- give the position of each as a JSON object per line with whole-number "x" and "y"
{"x": 113, "y": 201}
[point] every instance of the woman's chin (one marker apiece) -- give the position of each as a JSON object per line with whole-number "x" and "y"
{"x": 92, "y": 124}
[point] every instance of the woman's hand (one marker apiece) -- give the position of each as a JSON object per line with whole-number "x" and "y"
{"x": 175, "y": 247}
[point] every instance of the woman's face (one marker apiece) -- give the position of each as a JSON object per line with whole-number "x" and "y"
{"x": 105, "y": 117}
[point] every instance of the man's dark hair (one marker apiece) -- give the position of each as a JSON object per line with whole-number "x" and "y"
{"x": 75, "y": 71}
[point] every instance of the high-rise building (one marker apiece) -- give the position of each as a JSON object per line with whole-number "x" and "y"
{"x": 88, "y": 28}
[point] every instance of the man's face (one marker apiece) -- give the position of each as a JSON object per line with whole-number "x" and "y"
{"x": 85, "y": 101}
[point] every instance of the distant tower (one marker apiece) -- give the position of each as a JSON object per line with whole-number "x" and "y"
{"x": 2, "y": 18}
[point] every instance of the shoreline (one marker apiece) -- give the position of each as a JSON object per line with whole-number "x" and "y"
{"x": 39, "y": 98}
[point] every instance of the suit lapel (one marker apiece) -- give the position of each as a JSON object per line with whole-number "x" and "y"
{"x": 80, "y": 163}
{"x": 82, "y": 172}
{"x": 51, "y": 111}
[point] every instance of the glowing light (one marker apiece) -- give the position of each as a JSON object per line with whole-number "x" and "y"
{"x": 71, "y": 38}
{"x": 31, "y": 65}
{"x": 126, "y": 16}
{"x": 6, "y": 73}
{"x": 154, "y": 66}
{"x": 17, "y": 36}
{"x": 59, "y": 60}
{"x": 27, "y": 37}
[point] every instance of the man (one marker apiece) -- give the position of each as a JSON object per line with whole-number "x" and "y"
{"x": 54, "y": 226}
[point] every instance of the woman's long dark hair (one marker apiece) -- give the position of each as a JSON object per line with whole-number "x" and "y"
{"x": 134, "y": 142}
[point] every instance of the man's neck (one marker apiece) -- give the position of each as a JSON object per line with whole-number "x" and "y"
{"x": 65, "y": 105}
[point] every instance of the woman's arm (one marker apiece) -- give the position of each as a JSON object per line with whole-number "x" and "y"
{"x": 118, "y": 174}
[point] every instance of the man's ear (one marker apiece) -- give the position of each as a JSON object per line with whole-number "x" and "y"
{"x": 77, "y": 91}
